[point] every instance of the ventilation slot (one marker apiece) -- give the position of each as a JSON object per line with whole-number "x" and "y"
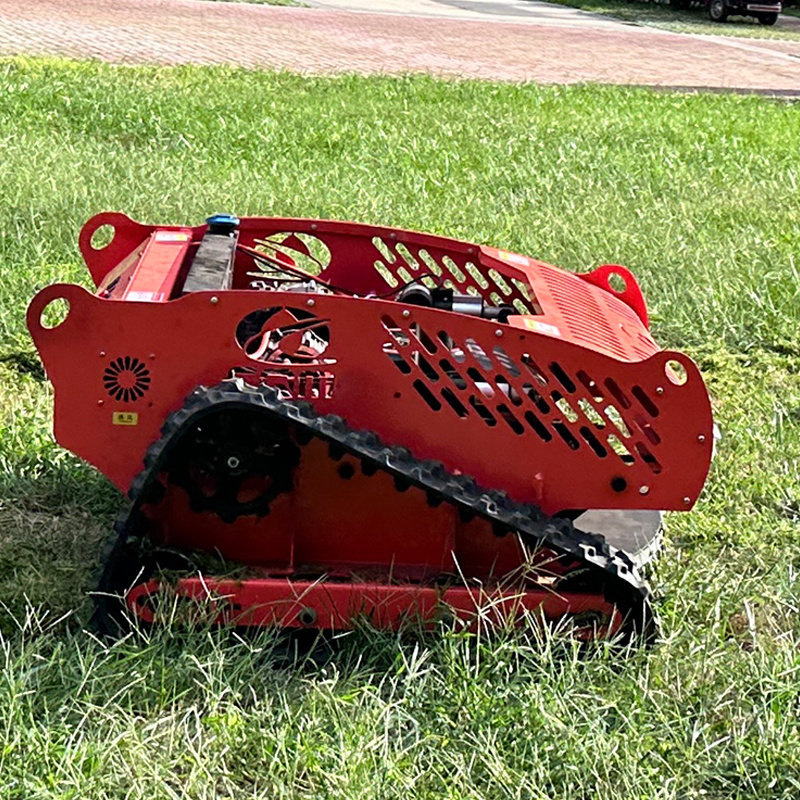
{"x": 506, "y": 362}
{"x": 562, "y": 377}
{"x": 425, "y": 393}
{"x": 400, "y": 363}
{"x": 564, "y": 407}
{"x": 430, "y": 262}
{"x": 508, "y": 390}
{"x": 537, "y": 427}
{"x": 453, "y": 269}
{"x": 385, "y": 252}
{"x": 453, "y": 374}
{"x": 510, "y": 419}
{"x": 452, "y": 400}
{"x": 481, "y": 384}
{"x": 593, "y": 442}
{"x": 619, "y": 423}
{"x": 520, "y": 306}
{"x": 476, "y": 275}
{"x": 406, "y": 255}
{"x": 394, "y": 331}
{"x": 535, "y": 371}
{"x": 126, "y": 379}
{"x": 647, "y": 404}
{"x": 499, "y": 281}
{"x": 484, "y": 412}
{"x": 617, "y": 393}
{"x": 648, "y": 458}
{"x": 427, "y": 368}
{"x": 620, "y": 449}
{"x": 424, "y": 339}
{"x": 386, "y": 274}
{"x": 590, "y": 412}
{"x": 404, "y": 275}
{"x": 564, "y": 432}
{"x": 536, "y": 398}
{"x": 647, "y": 429}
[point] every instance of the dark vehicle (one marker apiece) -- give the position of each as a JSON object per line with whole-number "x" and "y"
{"x": 766, "y": 12}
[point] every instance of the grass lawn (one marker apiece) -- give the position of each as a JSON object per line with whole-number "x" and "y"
{"x": 697, "y": 194}
{"x": 691, "y": 20}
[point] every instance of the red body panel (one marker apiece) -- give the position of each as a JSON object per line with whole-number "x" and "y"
{"x": 608, "y": 406}
{"x": 335, "y": 606}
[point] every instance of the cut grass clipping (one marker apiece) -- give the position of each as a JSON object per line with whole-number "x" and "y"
{"x": 697, "y": 194}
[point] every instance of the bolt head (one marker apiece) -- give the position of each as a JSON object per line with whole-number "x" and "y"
{"x": 498, "y": 332}
{"x": 102, "y": 354}
{"x": 644, "y": 490}
{"x": 406, "y": 313}
{"x": 214, "y": 300}
{"x": 659, "y": 390}
{"x": 310, "y": 302}
{"x": 687, "y": 501}
{"x": 701, "y": 438}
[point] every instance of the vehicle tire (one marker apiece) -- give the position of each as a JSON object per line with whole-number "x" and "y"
{"x": 718, "y": 10}
{"x": 767, "y": 19}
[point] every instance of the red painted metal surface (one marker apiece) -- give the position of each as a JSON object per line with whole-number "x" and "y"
{"x": 328, "y": 605}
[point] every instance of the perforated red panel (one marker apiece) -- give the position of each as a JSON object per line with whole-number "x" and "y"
{"x": 569, "y": 405}
{"x": 549, "y": 402}
{"x": 550, "y": 422}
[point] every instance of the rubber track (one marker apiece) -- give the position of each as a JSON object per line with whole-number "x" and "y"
{"x": 623, "y": 584}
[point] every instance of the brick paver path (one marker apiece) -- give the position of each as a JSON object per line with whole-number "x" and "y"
{"x": 324, "y": 41}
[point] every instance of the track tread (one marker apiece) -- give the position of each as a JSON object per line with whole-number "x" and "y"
{"x": 630, "y": 592}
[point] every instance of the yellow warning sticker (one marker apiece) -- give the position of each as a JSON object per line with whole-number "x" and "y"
{"x": 124, "y": 418}
{"x": 514, "y": 258}
{"x": 542, "y": 327}
{"x": 171, "y": 236}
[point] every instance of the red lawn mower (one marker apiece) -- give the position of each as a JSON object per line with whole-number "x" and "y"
{"x": 355, "y": 421}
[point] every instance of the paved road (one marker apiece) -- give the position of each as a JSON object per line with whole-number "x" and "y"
{"x": 532, "y": 11}
{"x": 322, "y": 40}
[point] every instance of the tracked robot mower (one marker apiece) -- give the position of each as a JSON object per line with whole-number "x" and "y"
{"x": 358, "y": 421}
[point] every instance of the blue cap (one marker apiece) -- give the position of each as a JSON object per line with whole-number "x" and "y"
{"x": 222, "y": 223}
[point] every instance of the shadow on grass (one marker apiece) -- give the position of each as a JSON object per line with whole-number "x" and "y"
{"x": 25, "y": 363}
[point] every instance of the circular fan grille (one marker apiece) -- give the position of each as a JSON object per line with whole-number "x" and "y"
{"x": 126, "y": 378}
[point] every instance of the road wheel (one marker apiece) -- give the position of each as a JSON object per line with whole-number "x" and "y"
{"x": 767, "y": 19}
{"x": 717, "y": 10}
